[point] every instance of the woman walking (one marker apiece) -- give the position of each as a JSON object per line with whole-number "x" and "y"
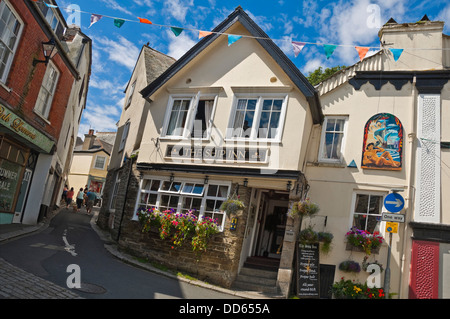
{"x": 69, "y": 197}
{"x": 80, "y": 198}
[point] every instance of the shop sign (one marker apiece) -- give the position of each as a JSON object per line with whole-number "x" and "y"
{"x": 218, "y": 154}
{"x": 24, "y": 130}
{"x": 9, "y": 180}
{"x": 308, "y": 267}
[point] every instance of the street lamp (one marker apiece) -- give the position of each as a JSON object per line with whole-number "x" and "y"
{"x": 49, "y": 49}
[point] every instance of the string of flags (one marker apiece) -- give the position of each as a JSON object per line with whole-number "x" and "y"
{"x": 232, "y": 38}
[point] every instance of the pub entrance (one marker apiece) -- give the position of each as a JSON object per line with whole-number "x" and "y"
{"x": 267, "y": 224}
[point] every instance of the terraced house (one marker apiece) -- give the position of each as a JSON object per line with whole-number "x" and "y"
{"x": 237, "y": 118}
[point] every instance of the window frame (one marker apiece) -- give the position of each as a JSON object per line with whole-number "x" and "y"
{"x": 104, "y": 162}
{"x": 380, "y": 227}
{"x": 190, "y": 117}
{"x": 181, "y": 195}
{"x": 130, "y": 94}
{"x": 46, "y": 111}
{"x": 8, "y": 64}
{"x": 260, "y": 97}
{"x": 115, "y": 191}
{"x": 321, "y": 155}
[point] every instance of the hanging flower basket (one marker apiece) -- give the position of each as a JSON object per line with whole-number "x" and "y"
{"x": 232, "y": 205}
{"x": 362, "y": 240}
{"x": 350, "y": 266}
{"x": 303, "y": 208}
{"x": 325, "y": 238}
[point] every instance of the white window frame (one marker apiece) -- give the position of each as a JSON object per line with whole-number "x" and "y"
{"x": 383, "y": 195}
{"x": 45, "y": 111}
{"x": 190, "y": 117}
{"x": 322, "y": 157}
{"x": 8, "y": 64}
{"x": 182, "y": 194}
{"x": 104, "y": 163}
{"x": 256, "y": 121}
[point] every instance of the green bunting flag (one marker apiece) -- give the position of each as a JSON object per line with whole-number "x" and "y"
{"x": 176, "y": 31}
{"x": 119, "y": 22}
{"x": 329, "y": 49}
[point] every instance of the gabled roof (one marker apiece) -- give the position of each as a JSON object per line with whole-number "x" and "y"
{"x": 274, "y": 51}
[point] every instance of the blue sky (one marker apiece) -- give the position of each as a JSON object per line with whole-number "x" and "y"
{"x": 115, "y": 50}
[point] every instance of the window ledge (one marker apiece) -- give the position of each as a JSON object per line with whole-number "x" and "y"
{"x": 326, "y": 164}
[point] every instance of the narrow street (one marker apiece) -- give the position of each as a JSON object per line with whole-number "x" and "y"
{"x": 70, "y": 244}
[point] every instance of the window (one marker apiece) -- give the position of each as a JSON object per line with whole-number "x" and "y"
{"x": 123, "y": 140}
{"x": 112, "y": 204}
{"x": 367, "y": 211}
{"x": 257, "y": 118}
{"x": 200, "y": 199}
{"x": 10, "y": 30}
{"x": 130, "y": 94}
{"x": 184, "y": 121}
{"x": 48, "y": 87}
{"x": 100, "y": 162}
{"x": 332, "y": 140}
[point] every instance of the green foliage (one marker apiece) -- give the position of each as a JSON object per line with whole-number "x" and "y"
{"x": 320, "y": 75}
{"x": 348, "y": 289}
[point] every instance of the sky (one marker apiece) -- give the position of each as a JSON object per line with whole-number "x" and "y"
{"x": 115, "y": 50}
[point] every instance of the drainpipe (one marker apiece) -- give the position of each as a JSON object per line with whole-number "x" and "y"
{"x": 411, "y": 139}
{"x": 125, "y": 200}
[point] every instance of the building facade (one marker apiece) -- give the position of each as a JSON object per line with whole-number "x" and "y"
{"x": 35, "y": 94}
{"x": 240, "y": 119}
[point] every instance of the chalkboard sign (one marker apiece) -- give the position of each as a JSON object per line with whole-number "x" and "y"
{"x": 308, "y": 270}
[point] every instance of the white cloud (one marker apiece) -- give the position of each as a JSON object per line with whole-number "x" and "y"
{"x": 179, "y": 45}
{"x": 100, "y": 118}
{"x": 114, "y": 5}
{"x": 178, "y": 9}
{"x": 312, "y": 65}
{"x": 444, "y": 15}
{"x": 122, "y": 51}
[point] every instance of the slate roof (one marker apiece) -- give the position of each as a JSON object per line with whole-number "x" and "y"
{"x": 239, "y": 15}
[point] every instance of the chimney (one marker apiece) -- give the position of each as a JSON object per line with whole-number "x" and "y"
{"x": 88, "y": 140}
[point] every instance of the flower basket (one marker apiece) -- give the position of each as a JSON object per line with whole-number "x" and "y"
{"x": 232, "y": 205}
{"x": 308, "y": 236}
{"x": 350, "y": 266}
{"x": 325, "y": 238}
{"x": 304, "y": 208}
{"x": 348, "y": 289}
{"x": 362, "y": 240}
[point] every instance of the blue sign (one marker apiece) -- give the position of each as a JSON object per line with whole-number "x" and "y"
{"x": 394, "y": 202}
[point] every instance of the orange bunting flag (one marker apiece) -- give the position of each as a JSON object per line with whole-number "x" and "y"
{"x": 362, "y": 51}
{"x": 203, "y": 34}
{"x": 141, "y": 20}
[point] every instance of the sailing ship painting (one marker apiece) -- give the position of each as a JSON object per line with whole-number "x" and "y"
{"x": 383, "y": 143}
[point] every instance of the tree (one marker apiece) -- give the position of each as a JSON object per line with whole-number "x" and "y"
{"x": 319, "y": 75}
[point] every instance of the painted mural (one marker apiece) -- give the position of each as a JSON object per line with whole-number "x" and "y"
{"x": 383, "y": 143}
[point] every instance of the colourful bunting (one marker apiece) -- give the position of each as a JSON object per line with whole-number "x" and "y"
{"x": 298, "y": 46}
{"x": 329, "y": 49}
{"x": 176, "y": 31}
{"x": 396, "y": 53}
{"x": 202, "y": 34}
{"x": 362, "y": 51}
{"x": 233, "y": 38}
{"x": 119, "y": 22}
{"x": 95, "y": 18}
{"x": 142, "y": 20}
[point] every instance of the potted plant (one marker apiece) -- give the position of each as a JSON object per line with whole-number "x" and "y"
{"x": 232, "y": 204}
{"x": 308, "y": 236}
{"x": 350, "y": 266}
{"x": 364, "y": 240}
{"x": 325, "y": 238}
{"x": 304, "y": 208}
{"x": 351, "y": 289}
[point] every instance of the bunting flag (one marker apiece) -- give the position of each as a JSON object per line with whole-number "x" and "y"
{"x": 329, "y": 49}
{"x": 396, "y": 53}
{"x": 176, "y": 31}
{"x": 119, "y": 22}
{"x": 298, "y": 46}
{"x": 142, "y": 20}
{"x": 50, "y": 5}
{"x": 233, "y": 38}
{"x": 202, "y": 34}
{"x": 95, "y": 18}
{"x": 362, "y": 51}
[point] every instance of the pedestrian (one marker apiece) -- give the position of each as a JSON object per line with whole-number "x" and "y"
{"x": 91, "y": 196}
{"x": 80, "y": 198}
{"x": 64, "y": 193}
{"x": 69, "y": 197}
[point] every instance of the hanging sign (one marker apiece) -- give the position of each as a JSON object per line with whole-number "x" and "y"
{"x": 308, "y": 270}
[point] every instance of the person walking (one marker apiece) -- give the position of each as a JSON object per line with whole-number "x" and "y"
{"x": 80, "y": 198}
{"x": 90, "y": 200}
{"x": 69, "y": 197}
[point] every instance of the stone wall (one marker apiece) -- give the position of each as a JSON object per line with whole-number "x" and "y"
{"x": 218, "y": 265}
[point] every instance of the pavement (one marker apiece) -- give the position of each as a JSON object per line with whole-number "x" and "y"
{"x": 16, "y": 283}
